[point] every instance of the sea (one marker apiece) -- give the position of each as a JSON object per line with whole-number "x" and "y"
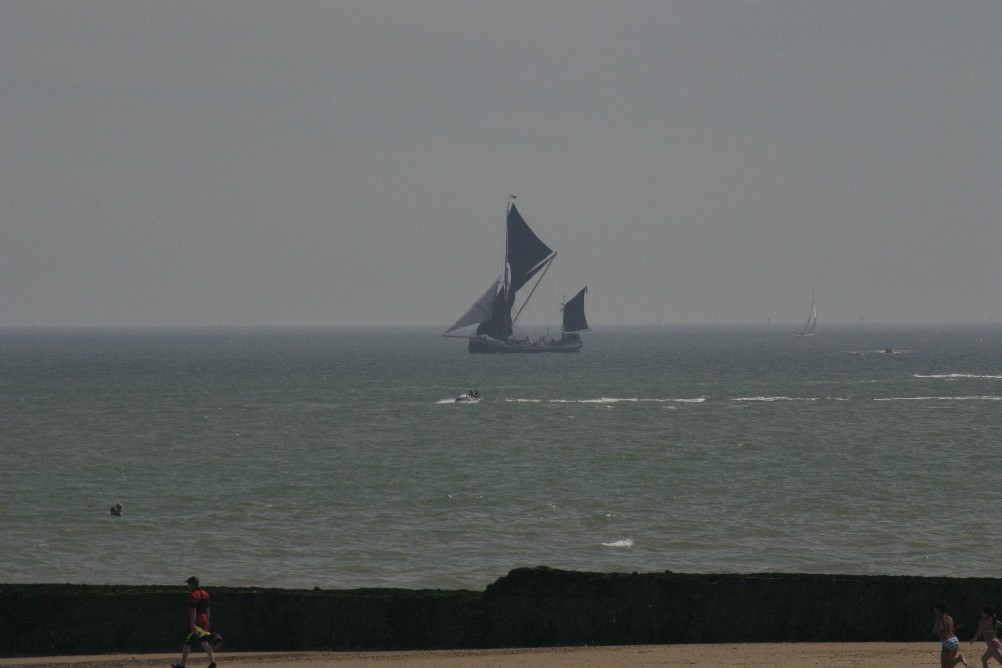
{"x": 338, "y": 458}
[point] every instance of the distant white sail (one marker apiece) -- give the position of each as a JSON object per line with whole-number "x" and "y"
{"x": 811, "y": 327}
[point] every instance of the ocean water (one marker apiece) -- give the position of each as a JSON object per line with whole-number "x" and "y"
{"x": 336, "y": 458}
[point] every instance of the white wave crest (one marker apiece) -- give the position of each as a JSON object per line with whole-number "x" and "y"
{"x": 957, "y": 376}
{"x": 775, "y": 399}
{"x": 612, "y": 400}
{"x": 600, "y": 400}
{"x": 978, "y": 398}
{"x": 626, "y": 542}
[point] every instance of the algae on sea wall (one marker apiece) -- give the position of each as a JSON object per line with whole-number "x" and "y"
{"x": 82, "y": 619}
{"x": 546, "y": 606}
{"x": 528, "y": 607}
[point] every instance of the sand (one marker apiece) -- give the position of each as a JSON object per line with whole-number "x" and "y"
{"x": 783, "y": 655}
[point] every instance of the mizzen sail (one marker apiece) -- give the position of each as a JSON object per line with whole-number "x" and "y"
{"x": 574, "y": 315}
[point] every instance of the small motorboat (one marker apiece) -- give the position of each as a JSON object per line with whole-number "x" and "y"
{"x": 471, "y": 397}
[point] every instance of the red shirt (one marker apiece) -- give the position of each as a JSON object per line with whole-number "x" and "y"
{"x": 199, "y": 599}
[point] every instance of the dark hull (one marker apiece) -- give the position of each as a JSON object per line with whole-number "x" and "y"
{"x": 485, "y": 345}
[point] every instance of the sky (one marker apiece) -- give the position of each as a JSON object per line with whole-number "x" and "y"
{"x": 297, "y": 163}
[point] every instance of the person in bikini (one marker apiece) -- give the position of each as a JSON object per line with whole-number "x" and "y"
{"x": 988, "y": 629}
{"x": 950, "y": 654}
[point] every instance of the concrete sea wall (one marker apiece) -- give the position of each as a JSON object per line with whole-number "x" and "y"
{"x": 528, "y": 607}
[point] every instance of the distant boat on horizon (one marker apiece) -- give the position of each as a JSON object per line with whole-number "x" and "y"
{"x": 495, "y": 314}
{"x": 811, "y": 326}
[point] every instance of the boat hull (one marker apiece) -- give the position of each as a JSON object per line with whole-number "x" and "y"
{"x": 484, "y": 345}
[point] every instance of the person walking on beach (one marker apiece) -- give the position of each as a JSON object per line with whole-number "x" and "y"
{"x": 950, "y": 654}
{"x": 198, "y": 625}
{"x": 989, "y": 630}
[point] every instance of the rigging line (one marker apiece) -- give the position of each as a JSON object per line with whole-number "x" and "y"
{"x": 548, "y": 263}
{"x": 553, "y": 298}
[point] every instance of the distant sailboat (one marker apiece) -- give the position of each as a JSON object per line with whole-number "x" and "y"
{"x": 495, "y": 314}
{"x": 811, "y": 326}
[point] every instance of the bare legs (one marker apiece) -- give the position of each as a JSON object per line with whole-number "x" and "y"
{"x": 206, "y": 647}
{"x": 991, "y": 653}
{"x": 949, "y": 658}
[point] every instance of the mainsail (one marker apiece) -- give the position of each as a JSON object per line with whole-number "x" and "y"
{"x": 525, "y": 256}
{"x": 574, "y": 316}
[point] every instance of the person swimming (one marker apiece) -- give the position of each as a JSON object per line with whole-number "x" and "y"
{"x": 117, "y": 510}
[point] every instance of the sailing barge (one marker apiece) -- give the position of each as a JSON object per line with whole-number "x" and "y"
{"x": 526, "y": 256}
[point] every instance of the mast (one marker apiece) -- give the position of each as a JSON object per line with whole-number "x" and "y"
{"x": 526, "y": 256}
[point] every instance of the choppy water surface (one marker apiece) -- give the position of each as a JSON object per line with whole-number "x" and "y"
{"x": 335, "y": 458}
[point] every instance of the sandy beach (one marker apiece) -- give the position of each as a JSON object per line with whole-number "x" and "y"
{"x": 782, "y": 655}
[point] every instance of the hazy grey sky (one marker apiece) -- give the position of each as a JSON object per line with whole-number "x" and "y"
{"x": 348, "y": 163}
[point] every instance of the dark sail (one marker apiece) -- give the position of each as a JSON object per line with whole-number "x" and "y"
{"x": 499, "y": 326}
{"x": 527, "y": 259}
{"x": 574, "y": 315}
{"x": 526, "y": 254}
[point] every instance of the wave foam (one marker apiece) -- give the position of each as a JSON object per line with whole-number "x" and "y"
{"x": 957, "y": 376}
{"x": 775, "y": 399}
{"x": 626, "y": 542}
{"x": 973, "y": 398}
{"x": 610, "y": 400}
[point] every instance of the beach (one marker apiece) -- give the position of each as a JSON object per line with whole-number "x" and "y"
{"x": 775, "y": 655}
